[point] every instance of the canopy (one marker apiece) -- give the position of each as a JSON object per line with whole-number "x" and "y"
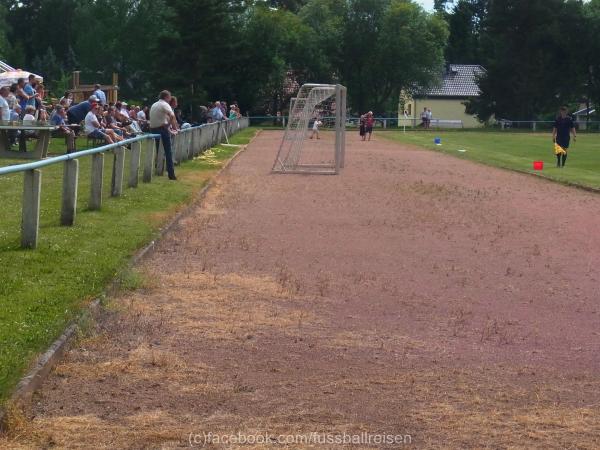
{"x": 11, "y": 76}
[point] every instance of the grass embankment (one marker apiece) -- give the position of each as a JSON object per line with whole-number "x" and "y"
{"x": 42, "y": 290}
{"x": 515, "y": 151}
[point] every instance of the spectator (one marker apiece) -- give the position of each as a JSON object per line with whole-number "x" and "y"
{"x": 162, "y": 121}
{"x": 16, "y": 113}
{"x": 232, "y": 113}
{"x": 216, "y": 114}
{"x": 22, "y": 96}
{"x": 29, "y": 89}
{"x": 4, "y": 109}
{"x": 29, "y": 116}
{"x": 66, "y": 100}
{"x": 76, "y": 114}
{"x": 94, "y": 130}
{"x": 99, "y": 93}
{"x": 203, "y": 114}
{"x": 58, "y": 120}
{"x": 113, "y": 123}
{"x": 123, "y": 111}
{"x": 12, "y": 96}
{"x": 133, "y": 113}
{"x": 429, "y": 117}
{"x": 369, "y": 124}
{"x": 224, "y": 109}
{"x": 140, "y": 114}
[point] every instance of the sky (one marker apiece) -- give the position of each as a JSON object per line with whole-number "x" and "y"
{"x": 427, "y": 4}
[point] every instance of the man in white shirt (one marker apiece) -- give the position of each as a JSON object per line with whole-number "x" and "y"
{"x": 163, "y": 122}
{"x": 4, "y": 110}
{"x": 94, "y": 130}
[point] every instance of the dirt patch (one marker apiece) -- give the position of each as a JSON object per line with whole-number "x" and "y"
{"x": 413, "y": 294}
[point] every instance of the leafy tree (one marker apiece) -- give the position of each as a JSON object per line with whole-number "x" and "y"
{"x": 589, "y": 51}
{"x": 4, "y": 45}
{"x": 378, "y": 47}
{"x": 465, "y": 22}
{"x": 532, "y": 65}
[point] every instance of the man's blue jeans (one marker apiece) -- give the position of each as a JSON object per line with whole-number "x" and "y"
{"x": 165, "y": 137}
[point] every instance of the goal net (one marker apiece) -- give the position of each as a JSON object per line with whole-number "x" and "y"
{"x": 315, "y": 137}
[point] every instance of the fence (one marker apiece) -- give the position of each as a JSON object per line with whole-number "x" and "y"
{"x": 380, "y": 122}
{"x": 186, "y": 145}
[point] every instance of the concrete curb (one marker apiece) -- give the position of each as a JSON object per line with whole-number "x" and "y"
{"x": 36, "y": 376}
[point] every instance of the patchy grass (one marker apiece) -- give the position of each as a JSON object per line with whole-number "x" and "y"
{"x": 515, "y": 151}
{"x": 42, "y": 290}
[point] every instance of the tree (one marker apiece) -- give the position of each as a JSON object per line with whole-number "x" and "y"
{"x": 465, "y": 22}
{"x": 590, "y": 51}
{"x": 532, "y": 64}
{"x": 4, "y": 45}
{"x": 378, "y": 47}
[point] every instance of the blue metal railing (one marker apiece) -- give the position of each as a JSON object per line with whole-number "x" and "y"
{"x": 187, "y": 144}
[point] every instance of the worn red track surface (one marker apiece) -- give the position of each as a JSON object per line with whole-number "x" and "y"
{"x": 413, "y": 294}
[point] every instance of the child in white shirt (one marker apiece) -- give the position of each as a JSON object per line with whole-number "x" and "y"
{"x": 315, "y": 129}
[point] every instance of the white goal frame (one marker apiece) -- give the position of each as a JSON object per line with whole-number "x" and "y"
{"x": 302, "y": 110}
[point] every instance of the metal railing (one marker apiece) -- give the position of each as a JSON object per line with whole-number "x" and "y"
{"x": 187, "y": 144}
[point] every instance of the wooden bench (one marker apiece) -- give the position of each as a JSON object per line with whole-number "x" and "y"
{"x": 43, "y": 133}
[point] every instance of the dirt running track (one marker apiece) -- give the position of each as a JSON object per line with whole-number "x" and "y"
{"x": 416, "y": 294}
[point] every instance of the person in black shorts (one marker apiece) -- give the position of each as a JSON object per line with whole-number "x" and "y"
{"x": 561, "y": 135}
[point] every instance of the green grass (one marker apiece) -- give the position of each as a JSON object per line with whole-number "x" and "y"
{"x": 515, "y": 151}
{"x": 42, "y": 290}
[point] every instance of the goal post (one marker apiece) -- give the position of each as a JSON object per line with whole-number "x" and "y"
{"x": 324, "y": 155}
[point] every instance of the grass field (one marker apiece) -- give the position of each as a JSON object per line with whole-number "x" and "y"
{"x": 515, "y": 151}
{"x": 41, "y": 290}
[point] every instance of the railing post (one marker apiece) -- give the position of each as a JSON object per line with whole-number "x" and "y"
{"x": 117, "y": 173}
{"x": 149, "y": 160}
{"x": 534, "y": 126}
{"x": 69, "y": 192}
{"x": 134, "y": 167}
{"x": 30, "y": 224}
{"x": 97, "y": 181}
{"x": 160, "y": 159}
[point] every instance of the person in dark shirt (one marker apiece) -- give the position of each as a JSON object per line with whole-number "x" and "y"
{"x": 77, "y": 113}
{"x": 561, "y": 135}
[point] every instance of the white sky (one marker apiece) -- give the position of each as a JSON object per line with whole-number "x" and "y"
{"x": 427, "y": 4}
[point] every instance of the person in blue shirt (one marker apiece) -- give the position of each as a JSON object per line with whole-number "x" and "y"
{"x": 98, "y": 92}
{"x": 29, "y": 89}
{"x": 58, "y": 120}
{"x": 76, "y": 114}
{"x": 216, "y": 112}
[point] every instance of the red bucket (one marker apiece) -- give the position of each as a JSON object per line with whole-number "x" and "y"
{"x": 538, "y": 165}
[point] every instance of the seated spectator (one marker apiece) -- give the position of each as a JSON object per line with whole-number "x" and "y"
{"x": 77, "y": 113}
{"x": 122, "y": 118}
{"x": 4, "y": 109}
{"x": 58, "y": 120}
{"x": 66, "y": 100}
{"x": 29, "y": 117}
{"x": 99, "y": 93}
{"x": 15, "y": 114}
{"x": 94, "y": 130}
{"x": 112, "y": 122}
{"x": 12, "y": 96}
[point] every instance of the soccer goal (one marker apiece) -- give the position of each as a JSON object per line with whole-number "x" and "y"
{"x": 315, "y": 137}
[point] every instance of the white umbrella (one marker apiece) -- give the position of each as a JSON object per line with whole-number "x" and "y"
{"x": 11, "y": 76}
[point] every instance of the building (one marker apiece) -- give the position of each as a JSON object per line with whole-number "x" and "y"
{"x": 447, "y": 100}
